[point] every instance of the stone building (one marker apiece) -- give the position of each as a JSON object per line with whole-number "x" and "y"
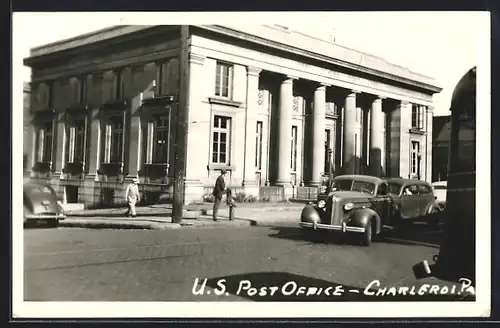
{"x": 274, "y": 107}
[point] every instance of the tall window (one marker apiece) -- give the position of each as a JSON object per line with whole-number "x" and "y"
{"x": 414, "y": 152}
{"x": 158, "y": 140}
{"x": 258, "y": 146}
{"x": 76, "y": 142}
{"x": 45, "y": 140}
{"x": 294, "y": 142}
{"x": 113, "y": 142}
{"x": 221, "y": 140}
{"x": 327, "y": 150}
{"x": 417, "y": 117}
{"x": 223, "y": 80}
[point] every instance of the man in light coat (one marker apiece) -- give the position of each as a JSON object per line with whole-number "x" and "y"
{"x": 132, "y": 196}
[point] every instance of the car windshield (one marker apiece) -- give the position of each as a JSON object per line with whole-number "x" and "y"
{"x": 39, "y": 190}
{"x": 394, "y": 188}
{"x": 353, "y": 185}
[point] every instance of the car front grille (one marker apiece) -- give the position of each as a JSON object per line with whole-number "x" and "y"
{"x": 330, "y": 208}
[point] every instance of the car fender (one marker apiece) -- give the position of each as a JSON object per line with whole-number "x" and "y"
{"x": 431, "y": 207}
{"x": 310, "y": 214}
{"x": 361, "y": 217}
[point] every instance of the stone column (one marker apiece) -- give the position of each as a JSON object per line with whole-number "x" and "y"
{"x": 285, "y": 131}
{"x": 349, "y": 151}
{"x": 318, "y": 132}
{"x": 251, "y": 121}
{"x": 60, "y": 142}
{"x": 198, "y": 134}
{"x": 377, "y": 138}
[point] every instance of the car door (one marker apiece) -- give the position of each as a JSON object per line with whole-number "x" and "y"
{"x": 426, "y": 199}
{"x": 381, "y": 203}
{"x": 409, "y": 206}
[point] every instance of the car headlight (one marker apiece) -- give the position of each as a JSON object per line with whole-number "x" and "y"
{"x": 321, "y": 204}
{"x": 348, "y": 206}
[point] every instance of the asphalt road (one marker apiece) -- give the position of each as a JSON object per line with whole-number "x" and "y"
{"x": 73, "y": 264}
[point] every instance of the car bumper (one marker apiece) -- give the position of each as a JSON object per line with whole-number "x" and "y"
{"x": 343, "y": 228}
{"x": 44, "y": 217}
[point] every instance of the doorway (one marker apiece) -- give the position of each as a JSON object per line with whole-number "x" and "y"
{"x": 72, "y": 194}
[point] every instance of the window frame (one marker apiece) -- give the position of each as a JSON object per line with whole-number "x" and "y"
{"x": 107, "y": 139}
{"x": 259, "y": 134}
{"x": 41, "y": 141}
{"x": 219, "y": 69}
{"x": 414, "y": 153}
{"x": 152, "y": 136}
{"x": 294, "y": 148}
{"x": 228, "y": 131}
{"x": 72, "y": 138}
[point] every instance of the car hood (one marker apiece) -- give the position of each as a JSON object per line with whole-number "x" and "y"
{"x": 347, "y": 195}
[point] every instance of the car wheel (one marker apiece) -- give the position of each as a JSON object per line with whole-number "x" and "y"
{"x": 53, "y": 223}
{"x": 368, "y": 235}
{"x": 434, "y": 216}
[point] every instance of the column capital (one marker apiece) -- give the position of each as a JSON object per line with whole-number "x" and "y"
{"x": 430, "y": 109}
{"x": 380, "y": 97}
{"x": 196, "y": 59}
{"x": 405, "y": 102}
{"x": 253, "y": 71}
{"x": 352, "y": 93}
{"x": 321, "y": 85}
{"x": 289, "y": 78}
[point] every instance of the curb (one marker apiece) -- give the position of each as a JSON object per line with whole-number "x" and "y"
{"x": 108, "y": 224}
{"x": 194, "y": 222}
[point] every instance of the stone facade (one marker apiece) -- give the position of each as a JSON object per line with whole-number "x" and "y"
{"x": 262, "y": 103}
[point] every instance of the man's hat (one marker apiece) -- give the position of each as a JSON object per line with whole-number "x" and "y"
{"x": 136, "y": 180}
{"x": 223, "y": 171}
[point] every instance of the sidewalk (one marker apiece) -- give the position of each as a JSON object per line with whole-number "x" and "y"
{"x": 159, "y": 216}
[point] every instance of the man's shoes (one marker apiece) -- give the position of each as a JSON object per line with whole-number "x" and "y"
{"x": 215, "y": 220}
{"x": 134, "y": 215}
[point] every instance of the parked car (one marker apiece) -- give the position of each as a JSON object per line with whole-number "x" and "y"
{"x": 439, "y": 188}
{"x": 41, "y": 204}
{"x": 365, "y": 204}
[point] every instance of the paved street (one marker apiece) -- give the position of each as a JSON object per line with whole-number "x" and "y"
{"x": 74, "y": 264}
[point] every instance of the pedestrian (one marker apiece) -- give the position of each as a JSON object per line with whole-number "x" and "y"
{"x": 132, "y": 196}
{"x": 218, "y": 192}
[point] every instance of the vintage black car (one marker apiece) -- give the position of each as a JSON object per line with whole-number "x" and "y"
{"x": 41, "y": 204}
{"x": 365, "y": 204}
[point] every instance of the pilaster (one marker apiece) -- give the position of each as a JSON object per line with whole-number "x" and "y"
{"x": 95, "y": 145}
{"x": 198, "y": 130}
{"x": 250, "y": 128}
{"x": 59, "y": 144}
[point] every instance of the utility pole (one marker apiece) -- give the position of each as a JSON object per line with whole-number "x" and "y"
{"x": 181, "y": 129}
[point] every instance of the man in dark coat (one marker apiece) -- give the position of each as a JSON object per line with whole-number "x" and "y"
{"x": 219, "y": 188}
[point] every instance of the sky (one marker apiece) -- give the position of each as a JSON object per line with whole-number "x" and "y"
{"x": 443, "y": 45}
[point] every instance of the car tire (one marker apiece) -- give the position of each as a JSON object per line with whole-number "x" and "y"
{"x": 53, "y": 223}
{"x": 434, "y": 216}
{"x": 368, "y": 235}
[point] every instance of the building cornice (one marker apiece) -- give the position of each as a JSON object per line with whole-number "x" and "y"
{"x": 331, "y": 60}
{"x": 279, "y": 40}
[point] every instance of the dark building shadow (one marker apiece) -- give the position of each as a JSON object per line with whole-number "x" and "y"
{"x": 410, "y": 234}
{"x": 287, "y": 287}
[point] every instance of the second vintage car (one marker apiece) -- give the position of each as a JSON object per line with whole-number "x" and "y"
{"x": 41, "y": 204}
{"x": 364, "y": 204}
